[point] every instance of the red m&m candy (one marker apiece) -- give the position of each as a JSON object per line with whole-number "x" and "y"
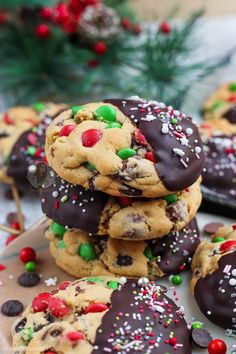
{"x": 91, "y": 137}
{"x": 217, "y": 346}
{"x": 67, "y": 129}
{"x": 96, "y": 307}
{"x": 27, "y": 254}
{"x": 57, "y": 307}
{"x": 228, "y": 246}
{"x": 150, "y": 156}
{"x": 75, "y": 336}
{"x": 40, "y": 302}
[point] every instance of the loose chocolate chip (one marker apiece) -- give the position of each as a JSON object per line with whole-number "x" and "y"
{"x": 28, "y": 279}
{"x": 20, "y": 325}
{"x": 56, "y": 332}
{"x": 212, "y": 227}
{"x": 12, "y": 308}
{"x": 201, "y": 337}
{"x": 124, "y": 260}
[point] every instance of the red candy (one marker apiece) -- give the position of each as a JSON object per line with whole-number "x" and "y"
{"x": 150, "y": 156}
{"x": 40, "y": 302}
{"x": 15, "y": 225}
{"x": 125, "y": 201}
{"x": 10, "y": 239}
{"x": 173, "y": 341}
{"x": 7, "y": 119}
{"x": 96, "y": 307}
{"x": 91, "y": 137}
{"x": 75, "y": 336}
{"x": 232, "y": 98}
{"x": 2, "y": 267}
{"x": 27, "y": 254}
{"x": 67, "y": 129}
{"x": 140, "y": 137}
{"x": 64, "y": 285}
{"x": 228, "y": 246}
{"x": 217, "y": 346}
{"x": 57, "y": 307}
{"x": 165, "y": 27}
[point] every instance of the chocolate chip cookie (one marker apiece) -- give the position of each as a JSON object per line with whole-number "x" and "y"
{"x": 103, "y": 314}
{"x": 126, "y": 148}
{"x": 214, "y": 277}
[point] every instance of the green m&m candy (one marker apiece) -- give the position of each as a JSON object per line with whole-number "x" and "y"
{"x": 90, "y": 166}
{"x": 27, "y": 334}
{"x": 87, "y": 251}
{"x": 113, "y": 284}
{"x": 58, "y": 229}
{"x": 196, "y": 325}
{"x": 76, "y": 109}
{"x": 125, "y": 153}
{"x": 171, "y": 198}
{"x": 113, "y": 125}
{"x": 176, "y": 279}
{"x": 30, "y": 266}
{"x": 31, "y": 150}
{"x": 232, "y": 87}
{"x": 148, "y": 252}
{"x": 108, "y": 113}
{"x": 38, "y": 106}
{"x": 218, "y": 239}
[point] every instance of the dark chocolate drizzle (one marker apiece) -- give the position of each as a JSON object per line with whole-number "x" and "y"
{"x": 209, "y": 296}
{"x": 219, "y": 174}
{"x": 174, "y": 175}
{"x": 175, "y": 250}
{"x": 122, "y": 302}
{"x": 230, "y": 115}
{"x": 82, "y": 210}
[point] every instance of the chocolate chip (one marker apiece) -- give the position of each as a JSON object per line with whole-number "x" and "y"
{"x": 28, "y": 279}
{"x": 177, "y": 211}
{"x": 49, "y": 317}
{"x": 201, "y": 337}
{"x": 212, "y": 227}
{"x": 37, "y": 327}
{"x": 3, "y": 135}
{"x": 12, "y": 308}
{"x": 56, "y": 332}
{"x": 124, "y": 260}
{"x": 20, "y": 325}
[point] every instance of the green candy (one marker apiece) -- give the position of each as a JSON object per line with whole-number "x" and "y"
{"x": 95, "y": 279}
{"x": 113, "y": 284}
{"x": 30, "y": 266}
{"x": 232, "y": 87}
{"x": 27, "y": 334}
{"x": 38, "y": 106}
{"x": 87, "y": 251}
{"x": 61, "y": 244}
{"x": 217, "y": 104}
{"x": 176, "y": 279}
{"x": 174, "y": 121}
{"x": 171, "y": 198}
{"x": 58, "y": 229}
{"x": 76, "y": 109}
{"x": 31, "y": 150}
{"x": 90, "y": 166}
{"x": 113, "y": 125}
{"x": 125, "y": 153}
{"x": 196, "y": 325}
{"x": 148, "y": 252}
{"x": 218, "y": 239}
{"x": 108, "y": 113}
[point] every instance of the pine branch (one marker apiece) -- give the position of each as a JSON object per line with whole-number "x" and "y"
{"x": 11, "y": 4}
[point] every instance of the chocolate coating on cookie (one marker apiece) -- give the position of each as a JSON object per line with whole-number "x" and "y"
{"x": 216, "y": 293}
{"x": 73, "y": 206}
{"x": 177, "y": 146}
{"x": 173, "y": 252}
{"x": 230, "y": 115}
{"x": 220, "y": 173}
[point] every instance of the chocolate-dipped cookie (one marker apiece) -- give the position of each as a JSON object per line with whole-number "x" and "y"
{"x": 103, "y": 314}
{"x": 82, "y": 255}
{"x": 126, "y": 148}
{"x": 126, "y": 218}
{"x": 214, "y": 277}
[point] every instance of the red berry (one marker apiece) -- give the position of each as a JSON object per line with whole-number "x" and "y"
{"x": 173, "y": 341}
{"x": 64, "y": 285}
{"x": 10, "y": 239}
{"x": 100, "y": 48}
{"x": 57, "y": 307}
{"x": 95, "y": 307}
{"x": 165, "y": 27}
{"x": 75, "y": 336}
{"x": 150, "y": 156}
{"x": 3, "y": 17}
{"x": 125, "y": 23}
{"x": 125, "y": 201}
{"x": 40, "y": 302}
{"x": 27, "y": 254}
{"x": 91, "y": 137}
{"x": 217, "y": 346}
{"x": 140, "y": 137}
{"x": 46, "y": 13}
{"x": 42, "y": 30}
{"x": 2, "y": 267}
{"x": 61, "y": 13}
{"x": 7, "y": 119}
{"x": 67, "y": 129}
{"x": 228, "y": 246}
{"x": 137, "y": 29}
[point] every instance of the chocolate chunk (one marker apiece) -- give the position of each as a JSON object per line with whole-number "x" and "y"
{"x": 124, "y": 260}
{"x": 212, "y": 227}
{"x": 56, "y": 332}
{"x": 20, "y": 325}
{"x": 201, "y": 337}
{"x": 12, "y": 308}
{"x": 177, "y": 211}
{"x": 29, "y": 279}
{"x": 49, "y": 317}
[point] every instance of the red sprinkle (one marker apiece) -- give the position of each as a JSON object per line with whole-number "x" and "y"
{"x": 75, "y": 336}
{"x": 31, "y": 138}
{"x": 228, "y": 246}
{"x": 125, "y": 201}
{"x": 10, "y": 239}
{"x": 27, "y": 254}
{"x": 64, "y": 285}
{"x": 56, "y": 204}
{"x": 91, "y": 137}
{"x": 2, "y": 267}
{"x": 140, "y": 137}
{"x": 57, "y": 307}
{"x": 40, "y": 302}
{"x": 229, "y": 151}
{"x": 7, "y": 119}
{"x": 150, "y": 156}
{"x": 173, "y": 341}
{"x": 96, "y": 307}
{"x": 67, "y": 129}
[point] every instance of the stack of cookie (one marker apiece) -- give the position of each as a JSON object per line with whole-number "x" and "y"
{"x": 124, "y": 188}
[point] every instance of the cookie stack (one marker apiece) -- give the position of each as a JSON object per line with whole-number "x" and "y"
{"x": 124, "y": 188}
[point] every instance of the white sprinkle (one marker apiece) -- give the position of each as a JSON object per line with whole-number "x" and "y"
{"x": 198, "y": 149}
{"x": 232, "y": 281}
{"x": 164, "y": 129}
{"x": 123, "y": 280}
{"x": 189, "y": 131}
{"x": 51, "y": 281}
{"x": 234, "y": 272}
{"x": 178, "y": 152}
{"x": 209, "y": 313}
{"x": 55, "y": 194}
{"x": 32, "y": 169}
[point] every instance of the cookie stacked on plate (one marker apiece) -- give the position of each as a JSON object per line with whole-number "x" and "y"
{"x": 124, "y": 188}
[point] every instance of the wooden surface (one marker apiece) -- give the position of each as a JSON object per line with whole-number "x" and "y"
{"x": 155, "y": 9}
